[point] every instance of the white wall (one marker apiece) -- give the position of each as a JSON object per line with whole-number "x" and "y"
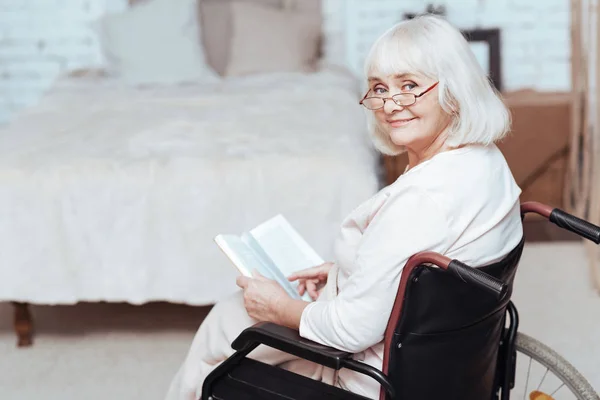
{"x": 41, "y": 38}
{"x": 535, "y": 35}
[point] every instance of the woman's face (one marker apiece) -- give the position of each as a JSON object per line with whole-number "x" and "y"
{"x": 415, "y": 126}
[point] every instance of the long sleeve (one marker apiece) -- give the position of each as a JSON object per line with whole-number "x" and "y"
{"x": 409, "y": 222}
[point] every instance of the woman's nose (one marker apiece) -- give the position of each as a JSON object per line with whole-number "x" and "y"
{"x": 390, "y": 106}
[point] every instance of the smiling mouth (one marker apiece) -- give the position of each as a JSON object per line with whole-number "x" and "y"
{"x": 401, "y": 122}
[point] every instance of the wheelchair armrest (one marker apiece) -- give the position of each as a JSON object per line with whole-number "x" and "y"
{"x": 289, "y": 341}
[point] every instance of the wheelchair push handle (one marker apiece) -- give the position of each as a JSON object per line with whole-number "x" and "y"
{"x": 575, "y": 225}
{"x": 460, "y": 270}
{"x": 479, "y": 278}
{"x": 564, "y": 220}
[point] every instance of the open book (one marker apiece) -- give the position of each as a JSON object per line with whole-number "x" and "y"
{"x": 275, "y": 249}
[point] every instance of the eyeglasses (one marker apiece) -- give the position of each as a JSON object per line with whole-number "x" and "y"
{"x": 401, "y": 99}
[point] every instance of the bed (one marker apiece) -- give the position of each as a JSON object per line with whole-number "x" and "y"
{"x": 112, "y": 192}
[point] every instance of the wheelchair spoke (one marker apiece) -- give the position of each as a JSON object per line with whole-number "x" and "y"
{"x": 543, "y": 377}
{"x": 527, "y": 379}
{"x": 537, "y": 381}
{"x": 554, "y": 377}
{"x": 560, "y": 387}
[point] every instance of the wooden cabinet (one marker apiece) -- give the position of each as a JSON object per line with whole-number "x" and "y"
{"x": 393, "y": 167}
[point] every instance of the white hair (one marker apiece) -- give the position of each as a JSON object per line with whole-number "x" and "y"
{"x": 428, "y": 45}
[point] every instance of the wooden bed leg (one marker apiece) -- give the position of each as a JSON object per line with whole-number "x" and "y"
{"x": 23, "y": 324}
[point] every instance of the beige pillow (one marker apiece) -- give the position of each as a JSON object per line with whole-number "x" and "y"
{"x": 266, "y": 39}
{"x": 217, "y": 29}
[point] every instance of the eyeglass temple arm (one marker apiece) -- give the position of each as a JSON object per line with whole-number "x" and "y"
{"x": 364, "y": 97}
{"x": 428, "y": 90}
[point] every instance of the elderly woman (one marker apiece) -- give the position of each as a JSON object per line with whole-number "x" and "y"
{"x": 427, "y": 96}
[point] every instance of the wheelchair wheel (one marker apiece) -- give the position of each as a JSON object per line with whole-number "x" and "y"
{"x": 542, "y": 374}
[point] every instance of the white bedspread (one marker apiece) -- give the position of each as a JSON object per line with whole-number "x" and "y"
{"x": 110, "y": 193}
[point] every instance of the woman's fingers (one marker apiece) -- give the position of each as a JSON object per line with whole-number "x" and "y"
{"x": 311, "y": 287}
{"x": 301, "y": 288}
{"x": 303, "y": 274}
{"x": 242, "y": 281}
{"x": 319, "y": 271}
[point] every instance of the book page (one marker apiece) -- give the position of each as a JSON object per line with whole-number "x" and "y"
{"x": 284, "y": 245}
{"x": 242, "y": 256}
{"x": 273, "y": 272}
{"x": 246, "y": 255}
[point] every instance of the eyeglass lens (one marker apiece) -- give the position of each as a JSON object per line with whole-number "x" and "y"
{"x": 401, "y": 99}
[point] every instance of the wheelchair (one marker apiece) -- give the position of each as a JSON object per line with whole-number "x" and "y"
{"x": 452, "y": 334}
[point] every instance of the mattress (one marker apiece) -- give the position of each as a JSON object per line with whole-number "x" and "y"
{"x": 113, "y": 193}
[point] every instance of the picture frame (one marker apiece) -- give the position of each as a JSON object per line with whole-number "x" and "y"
{"x": 485, "y": 43}
{"x": 486, "y": 46}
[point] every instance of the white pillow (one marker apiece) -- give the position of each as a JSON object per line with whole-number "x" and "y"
{"x": 156, "y": 42}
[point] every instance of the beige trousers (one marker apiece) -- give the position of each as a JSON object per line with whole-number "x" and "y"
{"x": 212, "y": 345}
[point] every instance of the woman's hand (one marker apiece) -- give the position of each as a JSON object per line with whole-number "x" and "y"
{"x": 263, "y": 297}
{"x": 312, "y": 280}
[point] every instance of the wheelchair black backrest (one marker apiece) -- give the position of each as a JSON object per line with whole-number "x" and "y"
{"x": 443, "y": 336}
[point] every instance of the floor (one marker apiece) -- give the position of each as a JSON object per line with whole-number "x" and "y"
{"x": 118, "y": 351}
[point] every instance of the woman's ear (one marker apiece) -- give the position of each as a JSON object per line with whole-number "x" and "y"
{"x": 449, "y": 103}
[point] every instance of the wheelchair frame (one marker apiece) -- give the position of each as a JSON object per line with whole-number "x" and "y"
{"x": 289, "y": 340}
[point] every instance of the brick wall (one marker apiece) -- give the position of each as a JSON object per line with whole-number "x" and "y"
{"x": 41, "y": 38}
{"x": 535, "y": 34}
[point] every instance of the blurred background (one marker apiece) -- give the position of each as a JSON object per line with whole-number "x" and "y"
{"x": 133, "y": 132}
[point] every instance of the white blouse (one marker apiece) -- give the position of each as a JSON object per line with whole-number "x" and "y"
{"x": 462, "y": 203}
